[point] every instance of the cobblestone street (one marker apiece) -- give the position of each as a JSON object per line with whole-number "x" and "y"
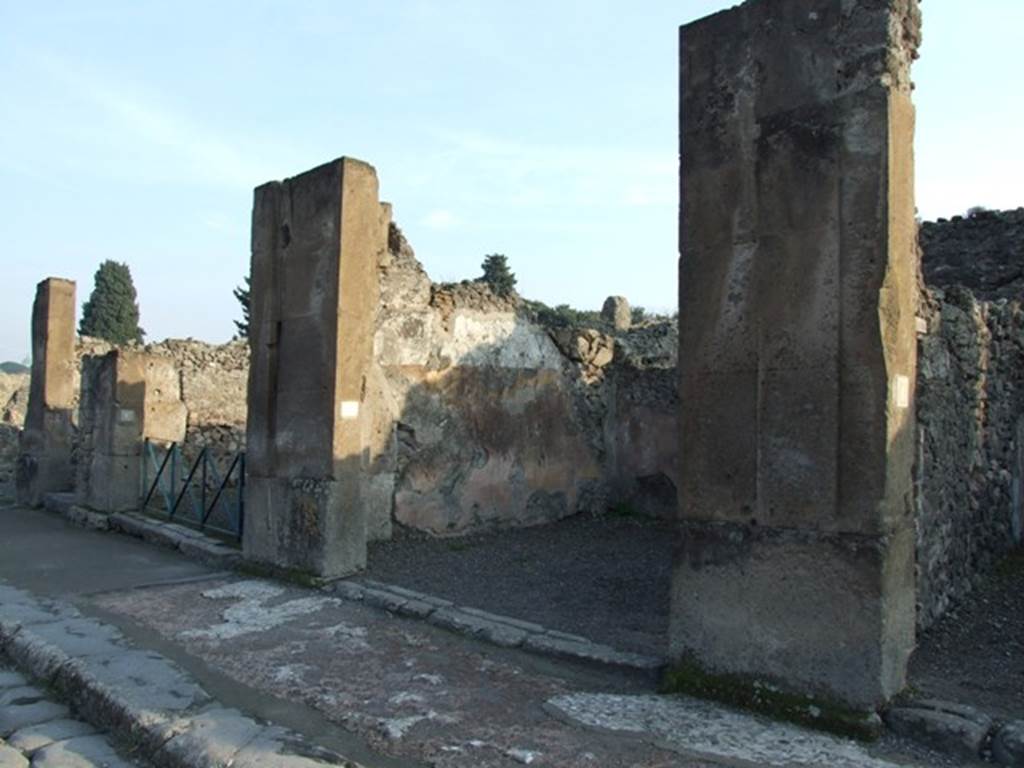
{"x": 37, "y": 731}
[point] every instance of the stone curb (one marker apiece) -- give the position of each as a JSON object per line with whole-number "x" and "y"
{"x": 958, "y": 729}
{"x": 503, "y": 631}
{"x": 499, "y": 630}
{"x": 139, "y": 696}
{"x": 191, "y": 543}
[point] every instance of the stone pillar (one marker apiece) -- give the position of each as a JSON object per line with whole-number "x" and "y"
{"x": 128, "y": 396}
{"x": 44, "y": 460}
{"x": 798, "y": 283}
{"x": 316, "y": 242}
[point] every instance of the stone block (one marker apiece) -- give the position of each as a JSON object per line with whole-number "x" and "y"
{"x": 617, "y": 312}
{"x": 1008, "y": 744}
{"x": 797, "y": 347}
{"x": 317, "y": 241}
{"x": 132, "y": 396}
{"x": 114, "y": 483}
{"x": 313, "y": 526}
{"x": 951, "y": 728}
{"x": 44, "y": 461}
{"x": 817, "y": 601}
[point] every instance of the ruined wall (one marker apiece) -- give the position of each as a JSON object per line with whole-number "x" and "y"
{"x": 501, "y": 421}
{"x": 970, "y": 407}
{"x": 13, "y": 404}
{"x": 484, "y": 426}
{"x": 983, "y": 251}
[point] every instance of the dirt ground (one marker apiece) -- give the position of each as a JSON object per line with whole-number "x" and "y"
{"x": 606, "y": 578}
{"x": 975, "y": 653}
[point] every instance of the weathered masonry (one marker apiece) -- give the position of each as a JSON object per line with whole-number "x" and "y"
{"x": 798, "y": 291}
{"x": 316, "y": 243}
{"x": 44, "y": 460}
{"x": 128, "y": 397}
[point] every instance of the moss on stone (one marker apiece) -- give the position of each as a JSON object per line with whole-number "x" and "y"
{"x": 747, "y": 692}
{"x": 293, "y": 575}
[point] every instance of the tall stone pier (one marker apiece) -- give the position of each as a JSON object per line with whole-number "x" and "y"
{"x": 798, "y": 282}
{"x": 317, "y": 240}
{"x": 44, "y": 460}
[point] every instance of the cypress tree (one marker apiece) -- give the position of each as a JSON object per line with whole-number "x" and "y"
{"x": 498, "y": 275}
{"x": 242, "y": 294}
{"x": 112, "y": 312}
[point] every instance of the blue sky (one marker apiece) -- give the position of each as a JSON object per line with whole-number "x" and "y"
{"x": 543, "y": 130}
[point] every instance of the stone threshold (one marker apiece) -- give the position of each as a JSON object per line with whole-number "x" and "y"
{"x": 958, "y": 729}
{"x": 193, "y": 544}
{"x": 502, "y": 631}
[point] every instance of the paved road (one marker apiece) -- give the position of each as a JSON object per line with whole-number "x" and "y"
{"x": 38, "y": 731}
{"x": 387, "y": 691}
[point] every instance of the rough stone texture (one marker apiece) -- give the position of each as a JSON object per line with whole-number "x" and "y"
{"x": 1008, "y": 744}
{"x": 83, "y": 752}
{"x": 971, "y": 401}
{"x": 983, "y": 252}
{"x": 128, "y": 397}
{"x": 44, "y": 461}
{"x": 798, "y": 289}
{"x": 616, "y": 311}
{"x": 496, "y": 421}
{"x": 11, "y": 758}
{"x": 950, "y": 728}
{"x": 14, "y": 391}
{"x": 317, "y": 240}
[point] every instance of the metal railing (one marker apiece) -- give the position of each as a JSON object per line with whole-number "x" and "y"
{"x": 215, "y": 502}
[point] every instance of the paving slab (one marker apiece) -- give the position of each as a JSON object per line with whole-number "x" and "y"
{"x": 1008, "y": 744}
{"x": 14, "y": 717}
{"x": 34, "y": 737}
{"x": 81, "y": 752}
{"x": 11, "y": 758}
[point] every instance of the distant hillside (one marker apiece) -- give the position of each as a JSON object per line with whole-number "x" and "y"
{"x": 13, "y": 368}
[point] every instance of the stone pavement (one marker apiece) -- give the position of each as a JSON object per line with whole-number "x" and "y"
{"x": 379, "y": 689}
{"x": 35, "y": 730}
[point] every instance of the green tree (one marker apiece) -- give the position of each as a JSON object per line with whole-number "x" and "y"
{"x": 242, "y": 294}
{"x": 498, "y": 275}
{"x": 112, "y": 312}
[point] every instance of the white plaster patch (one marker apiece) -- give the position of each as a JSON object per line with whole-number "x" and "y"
{"x": 349, "y": 409}
{"x": 432, "y": 679}
{"x": 396, "y": 727}
{"x": 252, "y": 614}
{"x": 524, "y": 756}
{"x": 348, "y": 636}
{"x": 405, "y": 697}
{"x": 291, "y": 673}
{"x": 701, "y": 729}
{"x": 499, "y": 339}
{"x": 901, "y": 391}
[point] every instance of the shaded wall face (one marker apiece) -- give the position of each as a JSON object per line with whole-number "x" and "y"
{"x": 970, "y": 418}
{"x": 486, "y": 433}
{"x": 798, "y": 280}
{"x": 500, "y": 421}
{"x": 127, "y": 397}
